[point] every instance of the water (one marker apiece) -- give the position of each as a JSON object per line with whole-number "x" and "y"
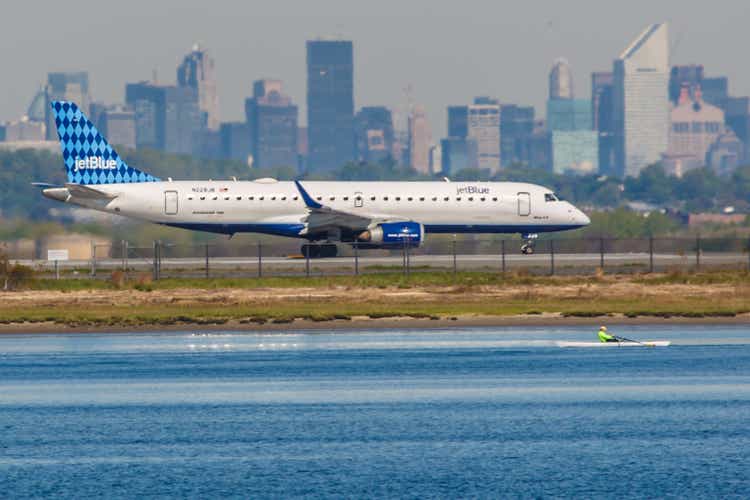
{"x": 486, "y": 412}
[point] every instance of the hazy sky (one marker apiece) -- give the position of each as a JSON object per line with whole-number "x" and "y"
{"x": 447, "y": 51}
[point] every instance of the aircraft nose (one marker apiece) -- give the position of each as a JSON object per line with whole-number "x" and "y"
{"x": 585, "y": 220}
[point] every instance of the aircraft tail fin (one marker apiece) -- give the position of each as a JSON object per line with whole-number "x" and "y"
{"x": 88, "y": 157}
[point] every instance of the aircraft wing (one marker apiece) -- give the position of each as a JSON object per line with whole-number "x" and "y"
{"x": 321, "y": 217}
{"x": 88, "y": 192}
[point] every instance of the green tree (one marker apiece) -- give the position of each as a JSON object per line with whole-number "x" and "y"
{"x": 652, "y": 185}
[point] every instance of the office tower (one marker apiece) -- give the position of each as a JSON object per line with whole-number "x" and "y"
{"x": 484, "y": 129}
{"x": 686, "y": 75}
{"x": 419, "y": 140}
{"x": 436, "y": 159}
{"x": 695, "y": 125}
{"x": 573, "y": 142}
{"x": 602, "y": 109}
{"x": 516, "y": 129}
{"x": 641, "y": 93}
{"x": 273, "y": 123}
{"x": 68, "y": 86}
{"x": 601, "y": 101}
{"x": 458, "y": 121}
{"x": 167, "y": 118}
{"x": 330, "y": 104}
{"x": 197, "y": 72}
{"x": 458, "y": 153}
{"x": 569, "y": 114}
{"x": 560, "y": 80}
{"x": 738, "y": 119}
{"x": 36, "y": 111}
{"x": 235, "y": 141}
{"x": 716, "y": 91}
{"x": 117, "y": 124}
{"x": 374, "y": 134}
{"x": 540, "y": 148}
{"x": 563, "y": 111}
{"x": 575, "y": 151}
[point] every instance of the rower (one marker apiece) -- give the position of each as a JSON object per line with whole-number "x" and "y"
{"x": 604, "y": 336}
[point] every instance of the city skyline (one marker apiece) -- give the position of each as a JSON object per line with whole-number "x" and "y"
{"x": 442, "y": 70}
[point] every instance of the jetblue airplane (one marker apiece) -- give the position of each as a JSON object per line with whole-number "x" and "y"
{"x": 372, "y": 214}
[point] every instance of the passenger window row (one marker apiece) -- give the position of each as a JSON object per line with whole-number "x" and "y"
{"x": 346, "y": 198}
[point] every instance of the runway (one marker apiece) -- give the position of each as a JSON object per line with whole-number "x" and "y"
{"x": 562, "y": 262}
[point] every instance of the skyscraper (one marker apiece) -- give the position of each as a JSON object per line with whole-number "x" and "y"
{"x": 569, "y": 114}
{"x": 484, "y": 129}
{"x": 641, "y": 93}
{"x": 197, "y": 71}
{"x": 695, "y": 125}
{"x": 118, "y": 125}
{"x": 738, "y": 119}
{"x": 573, "y": 143}
{"x": 560, "y": 80}
{"x": 516, "y": 129}
{"x": 374, "y": 132}
{"x": 273, "y": 123}
{"x": 716, "y": 91}
{"x": 330, "y": 103}
{"x": 167, "y": 118}
{"x": 458, "y": 153}
{"x": 68, "y": 86}
{"x": 235, "y": 141}
{"x": 575, "y": 151}
{"x": 602, "y": 109}
{"x": 684, "y": 76}
{"x": 419, "y": 140}
{"x": 458, "y": 121}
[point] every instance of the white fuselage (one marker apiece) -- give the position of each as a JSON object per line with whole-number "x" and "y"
{"x": 273, "y": 207}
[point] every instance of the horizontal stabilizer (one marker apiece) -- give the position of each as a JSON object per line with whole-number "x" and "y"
{"x": 87, "y": 192}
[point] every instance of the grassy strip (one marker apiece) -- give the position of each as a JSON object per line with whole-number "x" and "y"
{"x": 380, "y": 280}
{"x": 384, "y": 280}
{"x": 325, "y": 310}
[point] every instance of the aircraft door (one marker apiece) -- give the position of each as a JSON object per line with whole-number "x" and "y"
{"x": 170, "y": 202}
{"x": 358, "y": 199}
{"x": 524, "y": 204}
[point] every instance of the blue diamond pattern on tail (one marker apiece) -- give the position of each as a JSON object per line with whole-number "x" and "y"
{"x": 88, "y": 157}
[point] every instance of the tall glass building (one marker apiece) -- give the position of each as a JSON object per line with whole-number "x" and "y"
{"x": 330, "y": 104}
{"x": 569, "y": 114}
{"x": 575, "y": 151}
{"x": 197, "y": 71}
{"x": 641, "y": 101}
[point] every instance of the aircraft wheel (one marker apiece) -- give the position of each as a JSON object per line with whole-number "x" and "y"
{"x": 329, "y": 250}
{"x": 311, "y": 251}
{"x": 527, "y": 249}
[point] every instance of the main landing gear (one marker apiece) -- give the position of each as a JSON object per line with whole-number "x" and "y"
{"x": 528, "y": 246}
{"x": 314, "y": 251}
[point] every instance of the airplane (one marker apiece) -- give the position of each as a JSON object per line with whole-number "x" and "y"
{"x": 368, "y": 214}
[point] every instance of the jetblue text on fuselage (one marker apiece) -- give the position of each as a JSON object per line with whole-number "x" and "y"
{"x": 95, "y": 162}
{"x": 473, "y": 190}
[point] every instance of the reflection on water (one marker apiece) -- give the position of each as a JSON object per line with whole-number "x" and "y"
{"x": 445, "y": 412}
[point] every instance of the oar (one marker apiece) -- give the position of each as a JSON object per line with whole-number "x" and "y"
{"x": 630, "y": 340}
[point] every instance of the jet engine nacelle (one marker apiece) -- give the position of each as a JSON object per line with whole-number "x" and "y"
{"x": 394, "y": 234}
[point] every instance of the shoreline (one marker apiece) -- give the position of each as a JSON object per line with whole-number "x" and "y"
{"x": 366, "y": 323}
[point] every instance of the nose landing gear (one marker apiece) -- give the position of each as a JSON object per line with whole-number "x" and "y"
{"x": 528, "y": 246}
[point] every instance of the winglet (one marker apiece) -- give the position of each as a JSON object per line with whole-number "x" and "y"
{"x": 309, "y": 201}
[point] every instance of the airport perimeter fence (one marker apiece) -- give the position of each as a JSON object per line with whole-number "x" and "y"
{"x": 563, "y": 256}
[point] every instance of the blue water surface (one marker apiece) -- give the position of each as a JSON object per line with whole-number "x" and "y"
{"x": 470, "y": 412}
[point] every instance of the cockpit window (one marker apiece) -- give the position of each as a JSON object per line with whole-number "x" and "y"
{"x": 550, "y": 197}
